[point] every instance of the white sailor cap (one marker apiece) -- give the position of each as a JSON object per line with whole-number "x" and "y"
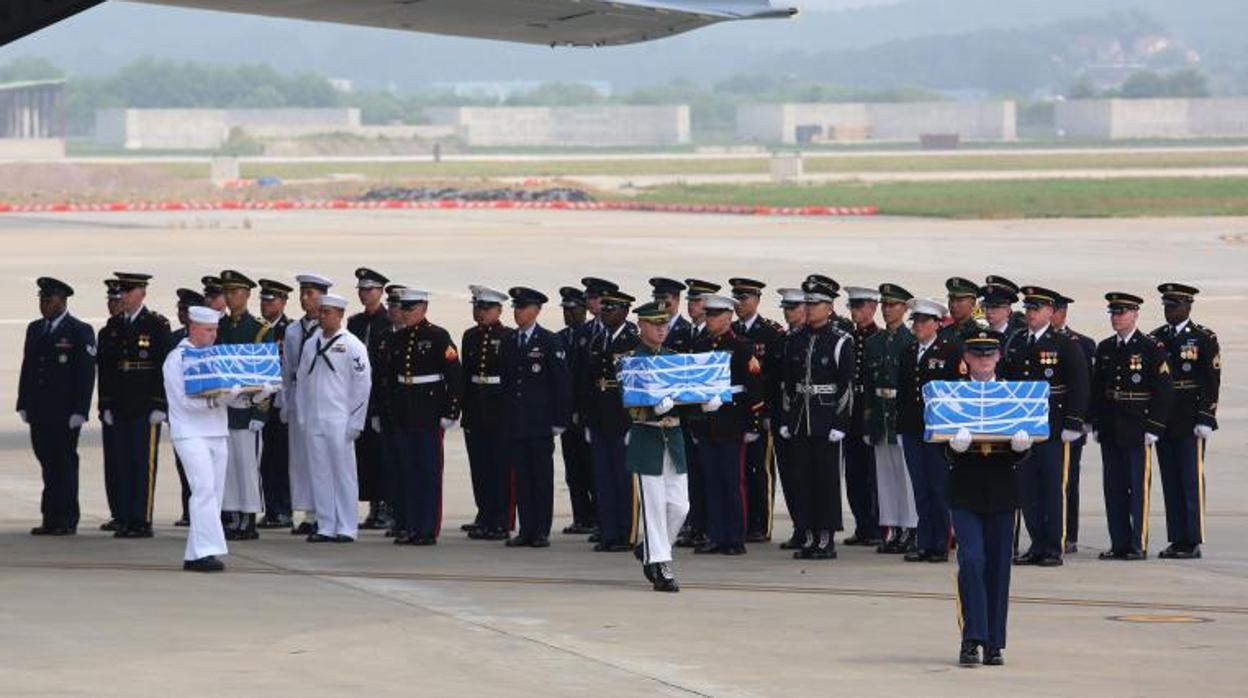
{"x": 485, "y": 294}
{"x": 332, "y": 300}
{"x": 413, "y": 295}
{"x": 712, "y": 301}
{"x": 926, "y": 306}
{"x": 862, "y": 293}
{"x": 314, "y": 281}
{"x": 203, "y": 315}
{"x": 790, "y": 297}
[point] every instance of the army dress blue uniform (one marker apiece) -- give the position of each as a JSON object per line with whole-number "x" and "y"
{"x": 860, "y": 484}
{"x": 1088, "y": 346}
{"x": 1050, "y": 356}
{"x": 275, "y": 456}
{"x": 765, "y": 336}
{"x": 130, "y": 355}
{"x": 54, "y": 392}
{"x": 368, "y": 327}
{"x": 422, "y": 382}
{"x": 578, "y": 466}
{"x": 489, "y": 463}
{"x": 606, "y": 423}
{"x": 1131, "y": 400}
{"x": 819, "y": 365}
{"x": 1195, "y": 360}
{"x": 537, "y": 391}
{"x": 940, "y": 360}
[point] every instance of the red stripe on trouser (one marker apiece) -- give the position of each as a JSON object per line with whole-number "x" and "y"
{"x": 745, "y": 500}
{"x": 437, "y": 522}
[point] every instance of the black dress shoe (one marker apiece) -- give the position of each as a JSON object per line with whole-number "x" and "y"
{"x": 343, "y": 539}
{"x": 916, "y": 556}
{"x": 1168, "y": 552}
{"x": 639, "y": 552}
{"x": 648, "y": 570}
{"x": 270, "y": 522}
{"x": 204, "y": 564}
{"x": 43, "y": 530}
{"x": 620, "y": 548}
{"x": 305, "y": 528}
{"x": 493, "y": 534}
{"x": 402, "y": 538}
{"x": 183, "y": 522}
{"x": 1026, "y": 559}
{"x": 756, "y": 537}
{"x": 578, "y": 530}
{"x": 1048, "y": 561}
{"x": 416, "y": 540}
{"x": 122, "y": 532}
{"x": 1188, "y": 552}
{"x": 110, "y": 525}
{"x": 708, "y": 549}
{"x": 664, "y": 580}
{"x": 600, "y": 547}
{"x": 469, "y": 527}
{"x": 540, "y": 542}
{"x": 732, "y": 550}
{"x": 517, "y": 542}
{"x": 1133, "y": 555}
{"x": 685, "y": 542}
{"x": 993, "y": 657}
{"x": 66, "y": 531}
{"x": 795, "y": 542}
{"x": 595, "y": 537}
{"x": 969, "y": 655}
{"x": 1071, "y": 548}
{"x": 938, "y": 557}
{"x": 318, "y": 538}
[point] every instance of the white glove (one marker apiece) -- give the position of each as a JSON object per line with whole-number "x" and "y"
{"x": 1203, "y": 431}
{"x": 353, "y": 434}
{"x": 75, "y": 420}
{"x": 767, "y": 424}
{"x": 255, "y": 425}
{"x": 448, "y": 424}
{"x": 836, "y": 435}
{"x": 284, "y": 415}
{"x": 784, "y": 432}
{"x": 269, "y": 389}
{"x": 713, "y": 404}
{"x": 22, "y": 415}
{"x": 866, "y": 439}
{"x": 588, "y": 438}
{"x": 156, "y": 417}
{"x": 665, "y": 405}
{"x": 235, "y": 391}
{"x": 107, "y": 417}
{"x": 576, "y": 418}
{"x": 751, "y": 437}
{"x": 1087, "y": 428}
{"x": 1095, "y": 436}
{"x": 558, "y": 431}
{"x": 1021, "y": 441}
{"x": 627, "y": 435}
{"x": 1069, "y": 435}
{"x": 961, "y": 440}
{"x": 1150, "y": 438}
{"x": 375, "y": 424}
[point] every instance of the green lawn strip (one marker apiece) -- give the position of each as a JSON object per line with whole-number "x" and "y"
{"x": 1088, "y": 198}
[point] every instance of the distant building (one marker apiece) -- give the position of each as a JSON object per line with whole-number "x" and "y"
{"x": 588, "y": 126}
{"x": 501, "y": 90}
{"x": 883, "y": 121}
{"x": 32, "y": 119}
{"x": 209, "y": 129}
{"x": 1115, "y": 119}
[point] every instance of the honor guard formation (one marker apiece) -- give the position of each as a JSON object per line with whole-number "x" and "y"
{"x": 367, "y": 399}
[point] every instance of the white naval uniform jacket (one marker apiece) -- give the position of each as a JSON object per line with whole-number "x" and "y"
{"x": 334, "y": 381}
{"x": 292, "y": 349}
{"x": 191, "y": 417}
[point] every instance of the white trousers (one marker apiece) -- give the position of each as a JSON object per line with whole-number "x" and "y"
{"x": 300, "y": 478}
{"x": 242, "y": 479}
{"x": 664, "y": 505}
{"x": 892, "y": 482}
{"x": 335, "y": 483}
{"x": 204, "y": 462}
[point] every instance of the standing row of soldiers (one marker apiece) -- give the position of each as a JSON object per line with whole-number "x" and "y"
{"x": 820, "y": 391}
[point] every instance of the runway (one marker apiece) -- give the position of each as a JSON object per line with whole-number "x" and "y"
{"x": 94, "y": 616}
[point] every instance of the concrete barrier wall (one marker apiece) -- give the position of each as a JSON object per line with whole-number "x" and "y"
{"x": 207, "y": 129}
{"x": 1153, "y": 118}
{"x": 901, "y": 121}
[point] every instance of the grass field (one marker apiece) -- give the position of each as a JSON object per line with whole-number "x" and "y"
{"x": 1064, "y": 198}
{"x": 840, "y": 163}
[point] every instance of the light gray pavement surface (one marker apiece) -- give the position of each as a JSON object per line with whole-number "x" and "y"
{"x": 94, "y": 616}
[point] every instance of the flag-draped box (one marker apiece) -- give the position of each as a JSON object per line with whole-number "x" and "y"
{"x": 990, "y": 410}
{"x": 686, "y": 378}
{"x": 219, "y": 368}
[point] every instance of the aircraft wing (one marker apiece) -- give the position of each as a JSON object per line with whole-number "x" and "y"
{"x": 550, "y": 22}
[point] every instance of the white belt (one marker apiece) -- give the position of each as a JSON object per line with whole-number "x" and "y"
{"x": 420, "y": 380}
{"x": 485, "y": 380}
{"x": 887, "y": 393}
{"x": 816, "y": 388}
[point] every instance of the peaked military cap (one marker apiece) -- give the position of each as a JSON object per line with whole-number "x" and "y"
{"x": 959, "y": 287}
{"x": 664, "y": 286}
{"x": 523, "y": 295}
{"x": 233, "y": 279}
{"x": 927, "y": 307}
{"x": 49, "y": 286}
{"x": 825, "y": 280}
{"x": 742, "y": 286}
{"x": 188, "y": 297}
{"x": 212, "y": 285}
{"x": 272, "y": 290}
{"x": 791, "y": 297}
{"x": 484, "y": 295}
{"x": 367, "y": 278}
{"x": 112, "y": 288}
{"x": 315, "y": 281}
{"x": 1120, "y": 300}
{"x": 1175, "y": 293}
{"x": 983, "y": 342}
{"x": 128, "y": 280}
{"x": 595, "y": 287}
{"x": 1038, "y": 295}
{"x": 698, "y": 287}
{"x": 572, "y": 297}
{"x": 818, "y": 292}
{"x": 617, "y": 298}
{"x": 892, "y": 293}
{"x": 653, "y": 311}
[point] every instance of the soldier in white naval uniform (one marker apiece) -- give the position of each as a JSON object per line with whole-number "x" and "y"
{"x": 311, "y": 288}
